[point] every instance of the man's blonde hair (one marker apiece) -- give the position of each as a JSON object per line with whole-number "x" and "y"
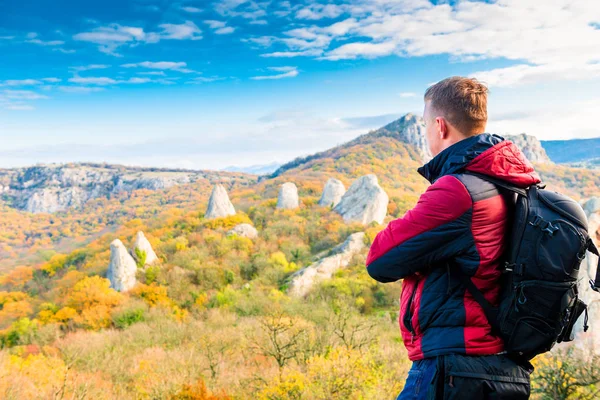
{"x": 462, "y": 101}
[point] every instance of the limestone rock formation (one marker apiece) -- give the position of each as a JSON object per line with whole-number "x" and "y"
{"x": 302, "y": 281}
{"x": 365, "y": 201}
{"x": 332, "y": 193}
{"x": 245, "y": 230}
{"x": 219, "y": 205}
{"x": 142, "y": 244}
{"x": 531, "y": 148}
{"x": 590, "y": 340}
{"x": 288, "y": 196}
{"x": 122, "y": 267}
{"x": 409, "y": 129}
{"x": 50, "y": 200}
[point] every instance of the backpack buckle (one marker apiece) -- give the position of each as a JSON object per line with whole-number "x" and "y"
{"x": 536, "y": 221}
{"x": 550, "y": 228}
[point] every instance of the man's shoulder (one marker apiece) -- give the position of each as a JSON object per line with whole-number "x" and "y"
{"x": 478, "y": 188}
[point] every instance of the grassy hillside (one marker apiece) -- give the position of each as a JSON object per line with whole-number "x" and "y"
{"x": 213, "y": 320}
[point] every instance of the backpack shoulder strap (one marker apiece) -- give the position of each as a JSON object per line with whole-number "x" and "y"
{"x": 490, "y": 311}
{"x": 498, "y": 182}
{"x": 595, "y": 283}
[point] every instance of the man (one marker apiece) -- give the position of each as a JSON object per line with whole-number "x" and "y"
{"x": 457, "y": 227}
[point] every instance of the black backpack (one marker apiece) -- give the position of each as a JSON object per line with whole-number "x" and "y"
{"x": 539, "y": 302}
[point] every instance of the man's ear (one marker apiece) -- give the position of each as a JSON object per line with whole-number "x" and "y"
{"x": 442, "y": 127}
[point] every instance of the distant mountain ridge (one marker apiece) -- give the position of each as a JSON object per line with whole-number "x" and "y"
{"x": 573, "y": 150}
{"x": 58, "y": 187}
{"x": 260, "y": 169}
{"x": 410, "y": 129}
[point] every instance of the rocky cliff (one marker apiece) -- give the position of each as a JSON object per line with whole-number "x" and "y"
{"x": 52, "y": 188}
{"x": 531, "y": 147}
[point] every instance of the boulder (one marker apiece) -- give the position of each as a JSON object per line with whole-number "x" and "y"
{"x": 590, "y": 341}
{"x": 288, "y": 196}
{"x": 142, "y": 244}
{"x": 245, "y": 230}
{"x": 332, "y": 193}
{"x": 365, "y": 201}
{"x": 219, "y": 204}
{"x": 122, "y": 267}
{"x": 302, "y": 281}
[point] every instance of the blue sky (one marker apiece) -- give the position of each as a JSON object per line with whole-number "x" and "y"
{"x": 201, "y": 84}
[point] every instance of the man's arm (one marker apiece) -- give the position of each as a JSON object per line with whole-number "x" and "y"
{"x": 437, "y": 228}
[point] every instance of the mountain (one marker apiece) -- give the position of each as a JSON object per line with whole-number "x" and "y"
{"x": 582, "y": 151}
{"x": 58, "y": 187}
{"x": 216, "y": 306}
{"x": 261, "y": 169}
{"x": 531, "y": 147}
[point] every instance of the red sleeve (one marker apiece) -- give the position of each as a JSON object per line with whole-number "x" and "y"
{"x": 424, "y": 231}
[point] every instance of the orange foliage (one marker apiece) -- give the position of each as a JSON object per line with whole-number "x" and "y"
{"x": 198, "y": 391}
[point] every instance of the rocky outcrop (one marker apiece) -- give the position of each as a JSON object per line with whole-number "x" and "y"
{"x": 53, "y": 200}
{"x": 245, "y": 230}
{"x": 409, "y": 129}
{"x": 52, "y": 188}
{"x": 332, "y": 193}
{"x": 219, "y": 204}
{"x": 122, "y": 267}
{"x": 288, "y": 196}
{"x": 142, "y": 245}
{"x": 364, "y": 202}
{"x": 590, "y": 340}
{"x": 531, "y": 148}
{"x": 302, "y": 281}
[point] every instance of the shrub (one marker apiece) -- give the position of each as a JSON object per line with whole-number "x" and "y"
{"x": 126, "y": 316}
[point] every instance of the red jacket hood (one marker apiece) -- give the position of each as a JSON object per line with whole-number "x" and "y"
{"x": 485, "y": 154}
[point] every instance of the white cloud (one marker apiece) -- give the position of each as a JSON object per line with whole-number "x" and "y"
{"x": 560, "y": 121}
{"x": 319, "y": 11}
{"x": 225, "y": 31}
{"x": 366, "y": 50}
{"x": 93, "y": 80}
{"x": 192, "y": 10}
{"x": 111, "y": 37}
{"x": 205, "y": 79}
{"x": 555, "y": 39}
{"x": 7, "y": 37}
{"x": 33, "y": 38}
{"x": 286, "y": 72}
{"x": 528, "y": 74}
{"x": 154, "y": 73}
{"x": 215, "y": 24}
{"x": 137, "y": 80}
{"x": 21, "y": 95}
{"x": 248, "y": 9}
{"x": 290, "y": 54}
{"x": 80, "y": 89}
{"x": 187, "y": 30}
{"x": 162, "y": 65}
{"x": 51, "y": 80}
{"x": 219, "y": 27}
{"x": 407, "y": 94}
{"x": 88, "y": 67}
{"x": 15, "y": 99}
{"x": 21, "y": 82}
{"x": 64, "y": 51}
